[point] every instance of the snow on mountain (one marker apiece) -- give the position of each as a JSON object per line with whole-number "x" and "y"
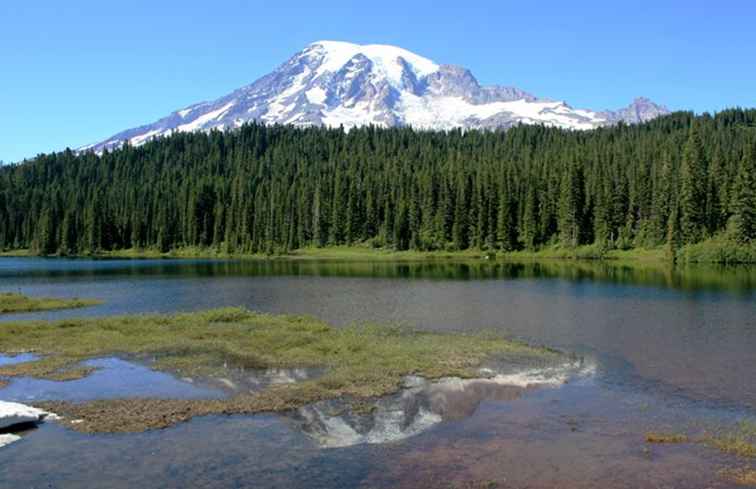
{"x": 335, "y": 84}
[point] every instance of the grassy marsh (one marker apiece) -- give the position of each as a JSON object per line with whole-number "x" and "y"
{"x": 361, "y": 362}
{"x": 11, "y": 302}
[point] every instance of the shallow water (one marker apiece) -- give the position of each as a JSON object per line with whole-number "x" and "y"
{"x": 670, "y": 351}
{"x": 575, "y": 436}
{"x": 115, "y": 378}
{"x": 111, "y": 380}
{"x": 13, "y": 359}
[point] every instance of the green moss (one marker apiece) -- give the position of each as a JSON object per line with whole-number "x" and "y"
{"x": 14, "y": 303}
{"x": 361, "y": 361}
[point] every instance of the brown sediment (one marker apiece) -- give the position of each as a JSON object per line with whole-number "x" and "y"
{"x": 3, "y": 383}
{"x": 534, "y": 460}
{"x": 653, "y": 437}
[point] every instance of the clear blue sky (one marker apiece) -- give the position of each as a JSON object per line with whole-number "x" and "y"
{"x": 77, "y": 71}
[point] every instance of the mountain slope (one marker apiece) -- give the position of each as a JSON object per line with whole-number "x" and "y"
{"x": 337, "y": 83}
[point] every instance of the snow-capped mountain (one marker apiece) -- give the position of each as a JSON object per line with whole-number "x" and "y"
{"x": 342, "y": 84}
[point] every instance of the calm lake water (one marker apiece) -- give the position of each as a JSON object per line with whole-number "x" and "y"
{"x": 671, "y": 348}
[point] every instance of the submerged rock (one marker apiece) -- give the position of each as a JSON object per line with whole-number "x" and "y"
{"x": 12, "y": 414}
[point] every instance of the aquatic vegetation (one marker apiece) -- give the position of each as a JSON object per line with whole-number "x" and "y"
{"x": 739, "y": 440}
{"x": 11, "y": 302}
{"x": 743, "y": 476}
{"x": 361, "y": 361}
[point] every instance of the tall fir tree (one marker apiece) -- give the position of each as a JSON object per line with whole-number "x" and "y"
{"x": 693, "y": 189}
{"x": 743, "y": 206}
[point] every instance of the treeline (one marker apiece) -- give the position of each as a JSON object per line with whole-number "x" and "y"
{"x": 262, "y": 189}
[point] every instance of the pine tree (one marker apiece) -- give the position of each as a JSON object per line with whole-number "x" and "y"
{"x": 673, "y": 234}
{"x": 743, "y": 206}
{"x": 401, "y": 227}
{"x": 601, "y": 223}
{"x": 529, "y": 227}
{"x": 460, "y": 231}
{"x": 318, "y": 233}
{"x": 505, "y": 224}
{"x": 571, "y": 207}
{"x": 693, "y": 189}
{"x": 68, "y": 235}
{"x": 664, "y": 185}
{"x": 46, "y": 243}
{"x": 338, "y": 216}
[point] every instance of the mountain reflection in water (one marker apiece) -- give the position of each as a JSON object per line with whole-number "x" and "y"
{"x": 421, "y": 405}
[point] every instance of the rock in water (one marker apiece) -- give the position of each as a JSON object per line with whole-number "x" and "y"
{"x": 12, "y": 413}
{"x": 7, "y": 439}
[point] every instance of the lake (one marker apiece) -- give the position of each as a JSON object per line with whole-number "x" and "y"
{"x": 668, "y": 349}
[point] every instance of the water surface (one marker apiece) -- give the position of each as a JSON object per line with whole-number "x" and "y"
{"x": 689, "y": 332}
{"x": 670, "y": 350}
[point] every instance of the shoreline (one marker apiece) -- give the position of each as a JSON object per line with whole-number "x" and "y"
{"x": 359, "y": 253}
{"x": 713, "y": 251}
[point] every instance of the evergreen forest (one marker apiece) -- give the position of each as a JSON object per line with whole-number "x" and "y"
{"x": 673, "y": 181}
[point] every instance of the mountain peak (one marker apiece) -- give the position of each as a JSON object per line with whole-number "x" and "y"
{"x": 642, "y": 109}
{"x": 337, "y": 83}
{"x": 386, "y": 59}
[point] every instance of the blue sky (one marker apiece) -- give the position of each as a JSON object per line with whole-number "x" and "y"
{"x": 77, "y": 71}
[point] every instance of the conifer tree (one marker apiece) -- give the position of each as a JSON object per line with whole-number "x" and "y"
{"x": 529, "y": 226}
{"x": 743, "y": 206}
{"x": 269, "y": 188}
{"x": 571, "y": 207}
{"x": 460, "y": 230}
{"x": 673, "y": 234}
{"x": 504, "y": 223}
{"x": 693, "y": 189}
{"x": 318, "y": 238}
